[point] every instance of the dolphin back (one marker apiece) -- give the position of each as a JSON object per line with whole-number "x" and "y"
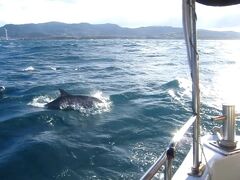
{"x": 63, "y": 93}
{"x": 2, "y": 89}
{"x": 68, "y": 101}
{"x": 55, "y": 104}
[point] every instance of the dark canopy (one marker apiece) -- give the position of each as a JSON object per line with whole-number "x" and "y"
{"x": 218, "y": 2}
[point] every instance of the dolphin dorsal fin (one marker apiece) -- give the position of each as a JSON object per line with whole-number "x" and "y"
{"x": 63, "y": 93}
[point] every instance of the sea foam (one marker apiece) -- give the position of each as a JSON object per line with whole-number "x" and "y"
{"x": 29, "y": 68}
{"x": 40, "y": 101}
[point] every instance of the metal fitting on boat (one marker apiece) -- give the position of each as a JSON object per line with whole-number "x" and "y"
{"x": 170, "y": 153}
{"x": 218, "y": 131}
{"x": 228, "y": 129}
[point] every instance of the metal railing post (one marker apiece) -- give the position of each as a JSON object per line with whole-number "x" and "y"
{"x": 155, "y": 167}
{"x": 168, "y": 170}
{"x": 168, "y": 164}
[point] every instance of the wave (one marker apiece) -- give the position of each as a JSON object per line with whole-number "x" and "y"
{"x": 106, "y": 102}
{"x": 174, "y": 84}
{"x": 43, "y": 48}
{"x": 179, "y": 83}
{"x": 124, "y": 97}
{"x": 179, "y": 90}
{"x": 40, "y": 101}
{"x": 29, "y": 68}
{"x": 112, "y": 68}
{"x": 54, "y": 68}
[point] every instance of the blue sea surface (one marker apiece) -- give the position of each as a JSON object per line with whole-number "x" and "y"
{"x": 145, "y": 87}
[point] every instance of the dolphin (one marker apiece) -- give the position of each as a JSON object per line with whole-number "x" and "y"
{"x": 68, "y": 101}
{"x": 2, "y": 88}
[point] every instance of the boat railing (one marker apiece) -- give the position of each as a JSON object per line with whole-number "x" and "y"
{"x": 168, "y": 155}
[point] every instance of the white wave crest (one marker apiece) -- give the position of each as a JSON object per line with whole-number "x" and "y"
{"x": 54, "y": 68}
{"x": 105, "y": 105}
{"x": 40, "y": 101}
{"x": 29, "y": 68}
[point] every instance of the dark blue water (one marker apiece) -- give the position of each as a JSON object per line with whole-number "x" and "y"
{"x": 146, "y": 90}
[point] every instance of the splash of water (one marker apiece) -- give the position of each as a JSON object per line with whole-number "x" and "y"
{"x": 106, "y": 104}
{"x": 54, "y": 68}
{"x": 40, "y": 101}
{"x": 29, "y": 68}
{"x": 181, "y": 93}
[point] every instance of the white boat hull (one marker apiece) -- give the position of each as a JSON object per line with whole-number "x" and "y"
{"x": 219, "y": 164}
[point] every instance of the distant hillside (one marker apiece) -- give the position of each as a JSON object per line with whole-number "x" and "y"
{"x": 57, "y": 30}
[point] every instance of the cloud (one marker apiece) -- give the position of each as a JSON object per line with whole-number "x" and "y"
{"x": 228, "y": 21}
{"x": 219, "y": 17}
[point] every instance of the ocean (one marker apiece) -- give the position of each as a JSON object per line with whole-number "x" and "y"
{"x": 145, "y": 88}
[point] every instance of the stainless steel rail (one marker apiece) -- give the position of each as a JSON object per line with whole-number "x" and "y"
{"x": 169, "y": 154}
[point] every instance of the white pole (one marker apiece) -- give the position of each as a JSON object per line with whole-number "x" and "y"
{"x": 196, "y": 93}
{"x": 6, "y": 33}
{"x": 189, "y": 22}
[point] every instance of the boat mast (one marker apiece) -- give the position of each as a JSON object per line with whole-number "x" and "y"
{"x": 189, "y": 24}
{"x": 196, "y": 94}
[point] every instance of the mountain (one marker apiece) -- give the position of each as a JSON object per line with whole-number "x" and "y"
{"x": 57, "y": 30}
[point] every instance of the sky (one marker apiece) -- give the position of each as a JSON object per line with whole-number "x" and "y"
{"x": 126, "y": 13}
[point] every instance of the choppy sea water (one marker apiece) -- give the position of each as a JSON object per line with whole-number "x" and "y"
{"x": 145, "y": 87}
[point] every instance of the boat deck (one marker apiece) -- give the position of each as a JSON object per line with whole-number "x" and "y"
{"x": 222, "y": 164}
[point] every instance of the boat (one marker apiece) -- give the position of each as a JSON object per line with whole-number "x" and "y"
{"x": 214, "y": 156}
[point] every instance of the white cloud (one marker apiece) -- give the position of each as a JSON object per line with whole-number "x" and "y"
{"x": 221, "y": 18}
